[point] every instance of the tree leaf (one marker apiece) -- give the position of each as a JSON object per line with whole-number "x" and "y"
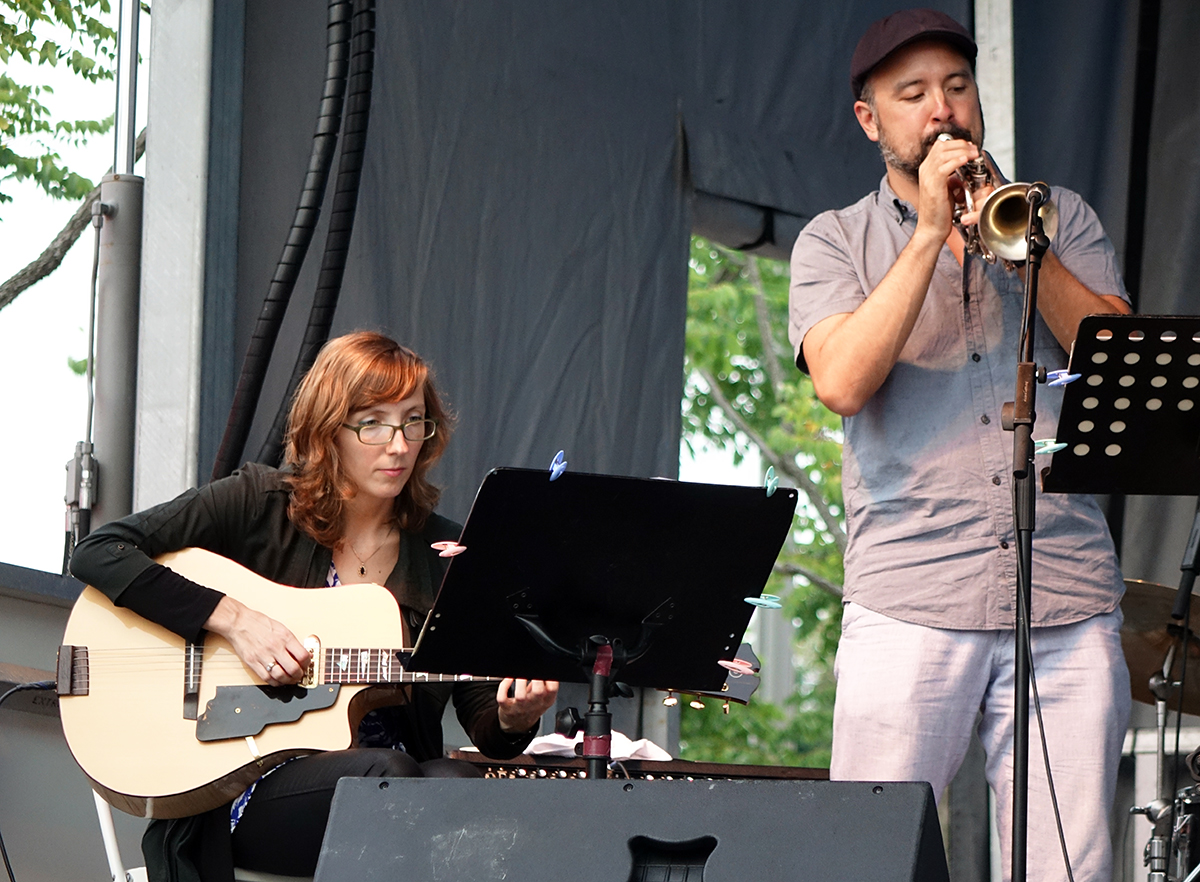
{"x": 741, "y": 393}
{"x": 43, "y": 33}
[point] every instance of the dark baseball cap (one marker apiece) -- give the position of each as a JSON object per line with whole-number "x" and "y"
{"x": 899, "y": 29}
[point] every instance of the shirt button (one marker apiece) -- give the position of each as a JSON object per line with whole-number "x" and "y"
{"x": 975, "y": 356}
{"x": 984, "y": 419}
{"x": 996, "y": 479}
{"x": 1003, "y": 544}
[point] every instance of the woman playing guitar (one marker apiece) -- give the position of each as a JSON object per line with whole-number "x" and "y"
{"x": 352, "y": 504}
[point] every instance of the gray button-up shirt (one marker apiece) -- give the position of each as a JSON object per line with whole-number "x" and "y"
{"x": 926, "y": 467}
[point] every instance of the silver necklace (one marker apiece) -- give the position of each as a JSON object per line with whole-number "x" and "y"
{"x": 362, "y": 561}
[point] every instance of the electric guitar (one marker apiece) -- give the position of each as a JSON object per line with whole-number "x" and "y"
{"x": 166, "y": 729}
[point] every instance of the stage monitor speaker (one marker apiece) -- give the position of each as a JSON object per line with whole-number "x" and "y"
{"x": 455, "y": 830}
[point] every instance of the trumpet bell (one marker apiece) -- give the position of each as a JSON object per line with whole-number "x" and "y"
{"x": 1004, "y": 217}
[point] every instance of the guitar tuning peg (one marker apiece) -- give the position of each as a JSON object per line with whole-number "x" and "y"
{"x": 697, "y": 704}
{"x": 725, "y": 707}
{"x": 670, "y": 700}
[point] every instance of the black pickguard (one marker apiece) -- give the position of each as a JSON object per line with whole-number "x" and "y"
{"x": 239, "y": 711}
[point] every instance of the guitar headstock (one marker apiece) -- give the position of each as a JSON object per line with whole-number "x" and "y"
{"x": 741, "y": 682}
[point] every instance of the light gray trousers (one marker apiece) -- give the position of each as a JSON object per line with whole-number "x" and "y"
{"x": 909, "y": 695}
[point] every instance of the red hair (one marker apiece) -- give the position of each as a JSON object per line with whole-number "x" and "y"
{"x": 355, "y": 372}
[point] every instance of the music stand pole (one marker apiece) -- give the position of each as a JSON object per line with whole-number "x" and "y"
{"x": 1018, "y": 417}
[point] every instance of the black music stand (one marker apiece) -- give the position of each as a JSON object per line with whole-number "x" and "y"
{"x": 588, "y": 576}
{"x": 1131, "y": 424}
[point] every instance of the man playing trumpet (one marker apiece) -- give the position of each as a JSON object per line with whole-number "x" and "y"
{"x": 913, "y": 341}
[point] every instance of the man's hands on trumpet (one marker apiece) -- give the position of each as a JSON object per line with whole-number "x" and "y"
{"x": 941, "y": 189}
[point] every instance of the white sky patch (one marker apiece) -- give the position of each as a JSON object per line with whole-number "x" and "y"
{"x": 42, "y": 403}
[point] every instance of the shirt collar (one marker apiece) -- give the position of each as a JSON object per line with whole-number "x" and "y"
{"x": 893, "y": 204}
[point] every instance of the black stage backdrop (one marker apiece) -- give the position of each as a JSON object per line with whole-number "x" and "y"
{"x": 1156, "y": 529}
{"x": 533, "y": 172}
{"x": 527, "y": 200}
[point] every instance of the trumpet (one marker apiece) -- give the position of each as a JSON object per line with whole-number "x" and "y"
{"x": 1003, "y": 215}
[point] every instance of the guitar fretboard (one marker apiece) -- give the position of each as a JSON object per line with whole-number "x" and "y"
{"x": 359, "y": 665}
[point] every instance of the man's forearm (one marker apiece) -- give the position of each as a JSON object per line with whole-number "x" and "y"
{"x": 849, "y": 356}
{"x": 1063, "y": 301}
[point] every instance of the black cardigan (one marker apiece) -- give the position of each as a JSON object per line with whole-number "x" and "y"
{"x": 244, "y": 518}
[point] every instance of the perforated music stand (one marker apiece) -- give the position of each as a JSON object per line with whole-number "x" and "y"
{"x": 1131, "y": 423}
{"x": 590, "y": 577}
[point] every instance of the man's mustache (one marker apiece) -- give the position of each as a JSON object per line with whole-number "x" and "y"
{"x": 958, "y": 133}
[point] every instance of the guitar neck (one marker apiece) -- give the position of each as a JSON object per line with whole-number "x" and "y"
{"x": 360, "y": 665}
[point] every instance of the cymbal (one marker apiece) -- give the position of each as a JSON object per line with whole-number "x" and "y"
{"x": 1145, "y": 640}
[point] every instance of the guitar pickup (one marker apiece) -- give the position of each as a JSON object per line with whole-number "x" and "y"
{"x": 72, "y": 674}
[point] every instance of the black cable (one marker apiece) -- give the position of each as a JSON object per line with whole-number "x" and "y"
{"x": 1184, "y": 639}
{"x": 20, "y": 687}
{"x": 304, "y": 224}
{"x": 1025, "y": 619}
{"x": 25, "y": 687}
{"x": 7, "y": 864}
{"x": 1145, "y": 71}
{"x": 79, "y": 496}
{"x": 341, "y": 218}
{"x": 1037, "y": 708}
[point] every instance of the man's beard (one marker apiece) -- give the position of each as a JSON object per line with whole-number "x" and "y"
{"x": 910, "y": 166}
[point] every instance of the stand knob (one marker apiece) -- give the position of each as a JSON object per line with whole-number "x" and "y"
{"x": 568, "y": 723}
{"x": 1156, "y": 810}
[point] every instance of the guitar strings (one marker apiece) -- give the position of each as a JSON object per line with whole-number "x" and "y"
{"x": 341, "y": 665}
{"x": 119, "y": 668}
{"x": 222, "y": 651}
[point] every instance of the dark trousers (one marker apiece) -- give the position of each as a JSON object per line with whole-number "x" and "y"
{"x": 284, "y": 823}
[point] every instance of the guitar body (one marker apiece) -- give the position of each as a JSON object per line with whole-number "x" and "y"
{"x": 129, "y": 732}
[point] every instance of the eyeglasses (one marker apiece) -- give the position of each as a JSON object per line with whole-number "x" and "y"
{"x": 382, "y": 433}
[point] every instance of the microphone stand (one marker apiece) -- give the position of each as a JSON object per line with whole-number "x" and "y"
{"x": 1018, "y": 417}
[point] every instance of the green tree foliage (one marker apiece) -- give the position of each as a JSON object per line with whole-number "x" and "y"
{"x": 40, "y": 33}
{"x": 742, "y": 391}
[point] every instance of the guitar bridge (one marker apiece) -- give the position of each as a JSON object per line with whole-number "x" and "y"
{"x": 73, "y": 673}
{"x": 193, "y": 663}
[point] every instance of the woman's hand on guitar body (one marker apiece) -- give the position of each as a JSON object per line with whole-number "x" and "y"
{"x": 266, "y": 647}
{"x": 525, "y": 706}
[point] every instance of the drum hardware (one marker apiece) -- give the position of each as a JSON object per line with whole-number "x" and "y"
{"x": 1170, "y": 684}
{"x": 1160, "y": 811}
{"x": 1187, "y": 833}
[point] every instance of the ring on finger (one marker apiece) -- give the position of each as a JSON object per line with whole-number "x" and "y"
{"x": 271, "y": 666}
